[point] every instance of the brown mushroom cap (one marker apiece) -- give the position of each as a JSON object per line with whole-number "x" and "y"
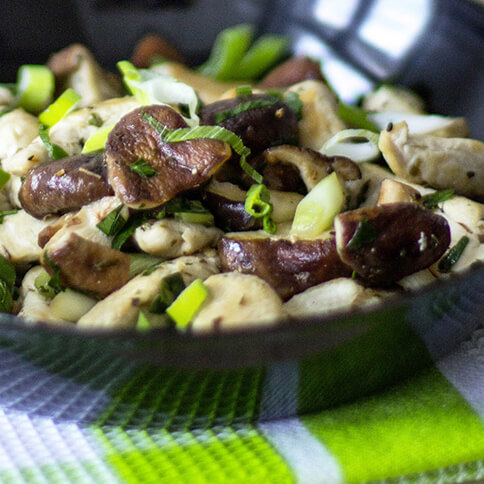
{"x": 64, "y": 185}
{"x": 151, "y": 46}
{"x": 86, "y": 265}
{"x": 178, "y": 166}
{"x": 258, "y": 128}
{"x": 400, "y": 239}
{"x": 289, "y": 267}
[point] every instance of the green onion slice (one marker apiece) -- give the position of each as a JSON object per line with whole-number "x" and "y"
{"x": 55, "y": 151}
{"x": 357, "y": 117}
{"x": 54, "y": 281}
{"x": 347, "y": 143}
{"x": 316, "y": 211}
{"x": 113, "y": 222}
{"x": 142, "y": 324}
{"x": 365, "y": 234}
{"x": 122, "y": 236}
{"x": 43, "y": 286}
{"x": 453, "y": 255}
{"x": 170, "y": 288}
{"x": 141, "y": 263}
{"x": 6, "y": 301}
{"x": 258, "y": 205}
{"x": 151, "y": 87}
{"x": 256, "y": 103}
{"x": 229, "y": 47}
{"x": 7, "y": 271}
{"x": 5, "y": 213}
{"x": 142, "y": 168}
{"x": 212, "y": 132}
{"x": 186, "y": 305}
{"x": 4, "y": 177}
{"x": 95, "y": 120}
{"x": 59, "y": 108}
{"x": 242, "y": 91}
{"x": 97, "y": 140}
{"x": 432, "y": 200}
{"x": 35, "y": 87}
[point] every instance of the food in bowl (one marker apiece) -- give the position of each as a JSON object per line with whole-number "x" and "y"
{"x": 205, "y": 200}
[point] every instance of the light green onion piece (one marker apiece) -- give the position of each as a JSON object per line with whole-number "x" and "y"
{"x": 35, "y": 87}
{"x": 258, "y": 205}
{"x": 347, "y": 143}
{"x": 186, "y": 305}
{"x": 43, "y": 286}
{"x": 229, "y": 47}
{"x": 97, "y": 140}
{"x": 71, "y": 305}
{"x": 151, "y": 87}
{"x": 142, "y": 324}
{"x": 4, "y": 177}
{"x": 356, "y": 117}
{"x": 59, "y": 108}
{"x": 241, "y": 91}
{"x": 316, "y": 211}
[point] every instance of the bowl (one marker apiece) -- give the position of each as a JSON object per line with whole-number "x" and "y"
{"x": 179, "y": 381}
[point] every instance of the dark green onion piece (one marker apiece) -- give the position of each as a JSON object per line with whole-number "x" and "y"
{"x": 365, "y": 234}
{"x": 242, "y": 91}
{"x": 170, "y": 287}
{"x": 4, "y": 213}
{"x": 55, "y": 151}
{"x": 142, "y": 263}
{"x": 357, "y": 117}
{"x": 294, "y": 103}
{"x": 190, "y": 211}
{"x": 43, "y": 286}
{"x": 7, "y": 271}
{"x": 143, "y": 168}
{"x": 4, "y": 177}
{"x": 212, "y": 132}
{"x": 54, "y": 281}
{"x": 6, "y": 301}
{"x": 113, "y": 222}
{"x": 433, "y": 199}
{"x": 128, "y": 229}
{"x": 95, "y": 120}
{"x": 453, "y": 255}
{"x": 243, "y": 107}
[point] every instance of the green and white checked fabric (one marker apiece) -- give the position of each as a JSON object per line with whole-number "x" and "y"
{"x": 427, "y": 429}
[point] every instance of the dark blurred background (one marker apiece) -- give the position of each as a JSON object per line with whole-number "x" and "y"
{"x": 433, "y": 46}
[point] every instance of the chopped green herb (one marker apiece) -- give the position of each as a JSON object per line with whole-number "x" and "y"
{"x": 142, "y": 263}
{"x": 294, "y": 103}
{"x": 365, "y": 234}
{"x": 142, "y": 324}
{"x": 43, "y": 286}
{"x": 170, "y": 287}
{"x": 54, "y": 281}
{"x": 128, "y": 229}
{"x": 357, "y": 117}
{"x": 95, "y": 120}
{"x": 433, "y": 199}
{"x": 4, "y": 213}
{"x": 113, "y": 222}
{"x": 7, "y": 271}
{"x": 186, "y": 305}
{"x": 6, "y": 301}
{"x": 55, "y": 151}
{"x": 242, "y": 91}
{"x": 453, "y": 255}
{"x": 4, "y": 177}
{"x": 143, "y": 168}
{"x": 244, "y": 107}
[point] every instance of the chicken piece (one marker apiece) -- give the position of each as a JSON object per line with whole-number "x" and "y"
{"x": 442, "y": 163}
{"x": 172, "y": 238}
{"x": 17, "y": 130}
{"x": 237, "y": 301}
{"x": 320, "y": 119}
{"x": 121, "y": 308}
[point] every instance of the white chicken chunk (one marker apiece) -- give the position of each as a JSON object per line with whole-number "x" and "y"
{"x": 19, "y": 235}
{"x": 172, "y": 238}
{"x": 121, "y": 308}
{"x": 320, "y": 119}
{"x": 69, "y": 133}
{"x": 442, "y": 163}
{"x": 237, "y": 301}
{"x": 17, "y": 130}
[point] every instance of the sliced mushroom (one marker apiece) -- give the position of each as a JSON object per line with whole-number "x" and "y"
{"x": 153, "y": 46}
{"x": 121, "y": 308}
{"x": 237, "y": 301}
{"x": 386, "y": 243}
{"x": 393, "y": 98}
{"x": 227, "y": 203}
{"x": 85, "y": 265}
{"x": 288, "y": 266}
{"x": 76, "y": 67}
{"x": 320, "y": 119}
{"x": 294, "y": 70}
{"x": 312, "y": 165}
{"x": 258, "y": 128}
{"x": 439, "y": 162}
{"x": 392, "y": 191}
{"x": 64, "y": 185}
{"x": 174, "y": 167}
{"x": 172, "y": 238}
